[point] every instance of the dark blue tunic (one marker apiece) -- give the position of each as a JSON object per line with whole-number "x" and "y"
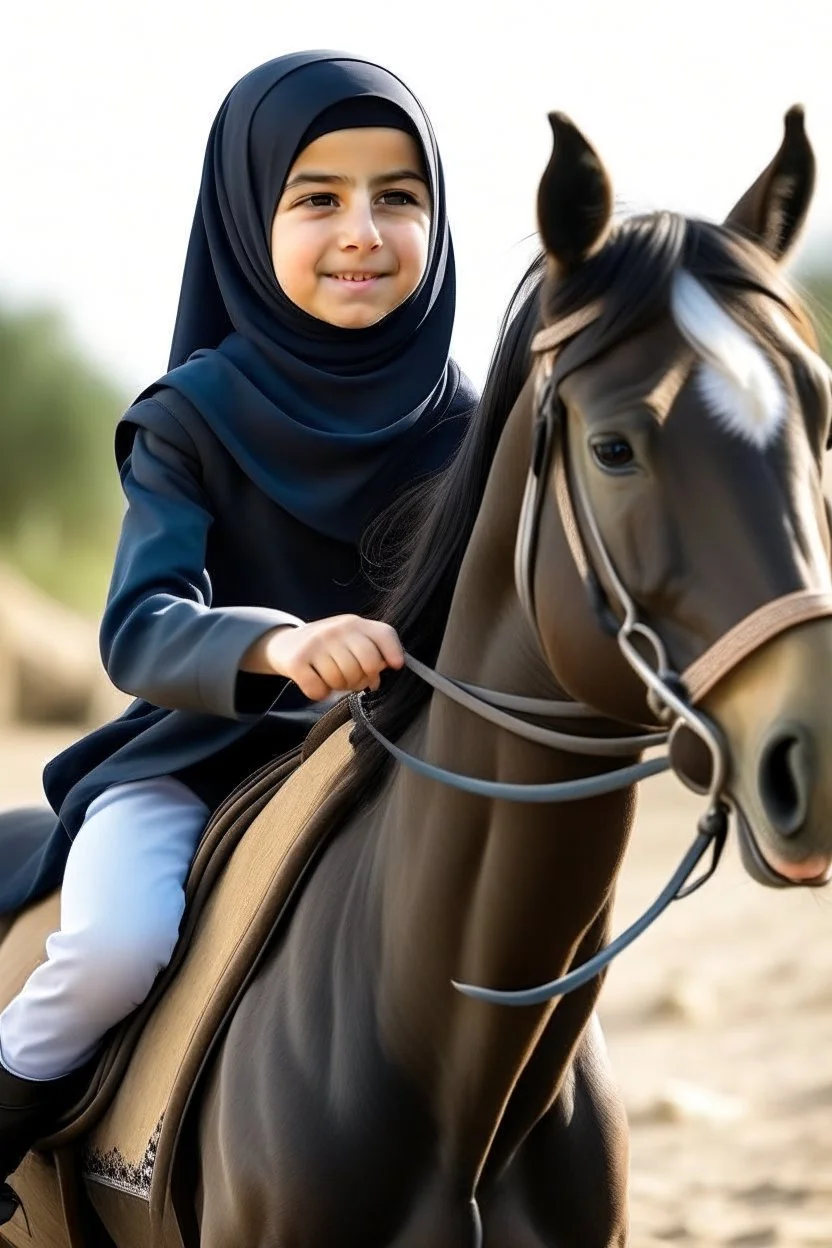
{"x": 206, "y": 563}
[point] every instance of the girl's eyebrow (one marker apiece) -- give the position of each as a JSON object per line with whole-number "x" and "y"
{"x": 327, "y": 179}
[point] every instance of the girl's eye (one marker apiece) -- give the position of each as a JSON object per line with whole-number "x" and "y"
{"x": 398, "y": 199}
{"x": 614, "y": 454}
{"x": 323, "y": 200}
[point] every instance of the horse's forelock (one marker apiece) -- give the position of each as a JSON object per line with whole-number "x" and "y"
{"x": 633, "y": 274}
{"x": 711, "y": 280}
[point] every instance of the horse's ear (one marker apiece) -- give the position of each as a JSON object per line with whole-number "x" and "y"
{"x": 772, "y": 211}
{"x": 574, "y": 202}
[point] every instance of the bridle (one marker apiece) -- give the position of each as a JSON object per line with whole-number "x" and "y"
{"x": 673, "y": 696}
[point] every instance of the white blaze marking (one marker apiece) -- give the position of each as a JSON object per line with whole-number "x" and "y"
{"x": 735, "y": 379}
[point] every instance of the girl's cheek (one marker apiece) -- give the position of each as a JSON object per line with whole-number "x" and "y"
{"x": 411, "y": 236}
{"x": 294, "y": 261}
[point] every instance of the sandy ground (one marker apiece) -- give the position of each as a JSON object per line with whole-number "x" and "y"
{"x": 719, "y": 1024}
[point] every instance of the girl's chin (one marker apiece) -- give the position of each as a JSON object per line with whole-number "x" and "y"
{"x": 352, "y": 318}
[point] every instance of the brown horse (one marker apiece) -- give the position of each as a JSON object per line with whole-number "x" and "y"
{"x": 665, "y": 563}
{"x": 673, "y": 523}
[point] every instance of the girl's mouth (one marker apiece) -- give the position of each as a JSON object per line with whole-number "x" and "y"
{"x": 355, "y": 281}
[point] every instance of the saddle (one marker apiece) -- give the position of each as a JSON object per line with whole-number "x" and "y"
{"x": 118, "y": 1145}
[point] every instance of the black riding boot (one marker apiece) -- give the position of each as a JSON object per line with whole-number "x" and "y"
{"x": 29, "y": 1109}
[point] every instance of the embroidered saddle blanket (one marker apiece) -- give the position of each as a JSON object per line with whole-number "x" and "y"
{"x": 118, "y": 1145}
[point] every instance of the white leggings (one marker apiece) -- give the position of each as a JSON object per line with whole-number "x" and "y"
{"x": 122, "y": 901}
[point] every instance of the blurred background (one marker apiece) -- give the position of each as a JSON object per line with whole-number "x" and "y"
{"x": 106, "y": 108}
{"x": 720, "y": 1022}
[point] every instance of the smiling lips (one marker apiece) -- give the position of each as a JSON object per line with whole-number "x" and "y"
{"x": 357, "y": 279}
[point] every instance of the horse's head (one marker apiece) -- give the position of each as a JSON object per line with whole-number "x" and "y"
{"x": 686, "y": 416}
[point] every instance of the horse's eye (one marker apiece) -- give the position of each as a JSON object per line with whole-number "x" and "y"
{"x": 613, "y": 453}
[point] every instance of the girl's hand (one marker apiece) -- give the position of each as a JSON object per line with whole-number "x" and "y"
{"x": 339, "y": 654}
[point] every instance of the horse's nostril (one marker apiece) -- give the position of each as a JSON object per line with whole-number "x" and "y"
{"x": 785, "y": 781}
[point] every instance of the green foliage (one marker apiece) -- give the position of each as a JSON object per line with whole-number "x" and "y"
{"x": 815, "y": 288}
{"x": 60, "y": 501}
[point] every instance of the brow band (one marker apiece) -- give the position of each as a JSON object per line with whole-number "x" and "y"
{"x": 553, "y": 335}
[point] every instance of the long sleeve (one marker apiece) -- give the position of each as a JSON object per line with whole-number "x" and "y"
{"x": 161, "y": 639}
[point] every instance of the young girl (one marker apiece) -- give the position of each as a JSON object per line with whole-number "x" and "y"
{"x": 309, "y": 384}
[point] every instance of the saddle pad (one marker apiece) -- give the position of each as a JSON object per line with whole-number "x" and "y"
{"x": 24, "y": 946}
{"x": 252, "y": 858}
{"x": 131, "y": 1148}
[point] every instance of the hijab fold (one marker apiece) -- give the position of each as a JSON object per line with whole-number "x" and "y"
{"x": 329, "y": 422}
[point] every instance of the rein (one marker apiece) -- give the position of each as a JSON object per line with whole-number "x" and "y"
{"x": 672, "y": 695}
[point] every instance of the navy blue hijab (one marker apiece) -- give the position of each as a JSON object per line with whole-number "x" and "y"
{"x": 329, "y": 422}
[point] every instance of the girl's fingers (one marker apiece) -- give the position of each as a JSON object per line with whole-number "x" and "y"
{"x": 348, "y": 653}
{"x": 368, "y": 656}
{"x": 387, "y": 641}
{"x": 353, "y": 674}
{"x": 310, "y": 684}
{"x": 329, "y": 669}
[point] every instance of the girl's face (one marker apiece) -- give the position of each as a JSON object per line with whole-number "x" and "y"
{"x": 350, "y": 234}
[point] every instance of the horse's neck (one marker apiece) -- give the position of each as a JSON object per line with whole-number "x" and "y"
{"x": 492, "y": 893}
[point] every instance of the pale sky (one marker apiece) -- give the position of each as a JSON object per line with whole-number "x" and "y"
{"x": 106, "y": 108}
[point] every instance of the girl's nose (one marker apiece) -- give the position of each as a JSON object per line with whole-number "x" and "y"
{"x": 360, "y": 229}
